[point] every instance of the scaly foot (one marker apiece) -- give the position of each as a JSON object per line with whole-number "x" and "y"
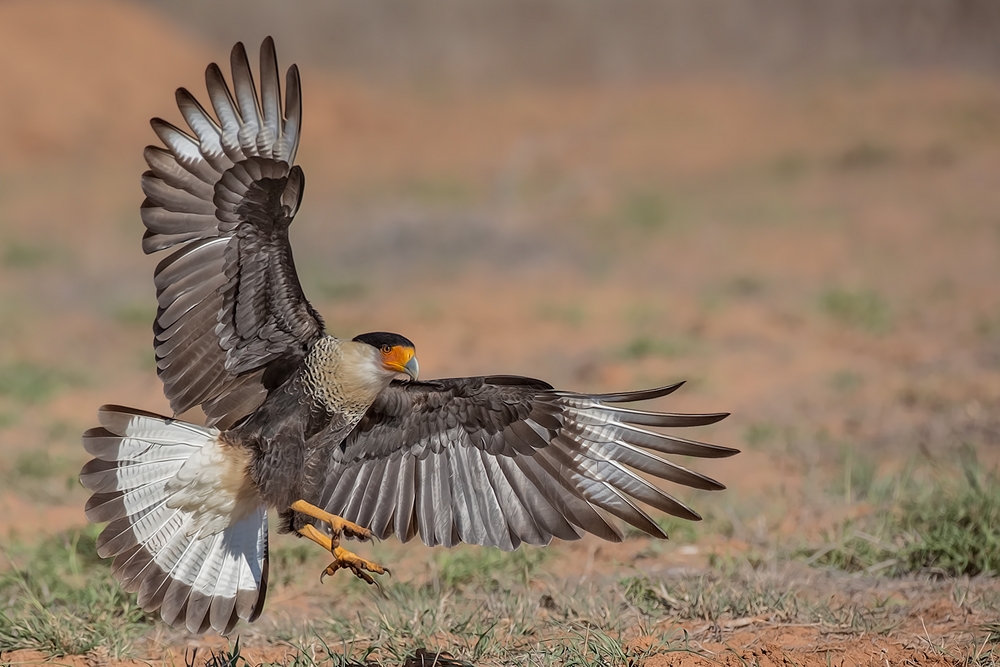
{"x": 359, "y": 566}
{"x": 344, "y": 559}
{"x": 338, "y": 525}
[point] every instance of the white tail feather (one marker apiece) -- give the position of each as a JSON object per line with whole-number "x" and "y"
{"x": 193, "y": 547}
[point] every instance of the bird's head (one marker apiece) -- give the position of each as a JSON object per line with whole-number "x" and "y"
{"x": 395, "y": 353}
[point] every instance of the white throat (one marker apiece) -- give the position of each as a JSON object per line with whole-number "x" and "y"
{"x": 345, "y": 376}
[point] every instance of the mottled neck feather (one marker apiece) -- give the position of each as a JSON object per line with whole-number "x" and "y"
{"x": 345, "y": 376}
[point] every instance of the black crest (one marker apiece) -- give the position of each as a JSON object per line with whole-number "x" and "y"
{"x": 380, "y": 338}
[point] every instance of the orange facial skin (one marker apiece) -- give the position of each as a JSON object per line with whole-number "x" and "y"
{"x": 401, "y": 359}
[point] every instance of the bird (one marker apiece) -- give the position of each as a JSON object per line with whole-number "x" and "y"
{"x": 339, "y": 437}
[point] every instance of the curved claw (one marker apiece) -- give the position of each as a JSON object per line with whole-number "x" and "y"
{"x": 358, "y": 572}
{"x": 331, "y": 569}
{"x": 344, "y": 558}
{"x": 359, "y": 566}
{"x": 364, "y": 576}
{"x": 357, "y": 532}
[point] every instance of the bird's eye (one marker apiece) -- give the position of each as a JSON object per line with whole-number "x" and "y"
{"x": 386, "y": 349}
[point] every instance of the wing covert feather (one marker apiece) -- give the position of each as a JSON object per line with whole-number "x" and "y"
{"x": 224, "y": 194}
{"x": 503, "y": 460}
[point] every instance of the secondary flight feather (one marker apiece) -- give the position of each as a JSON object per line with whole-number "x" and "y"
{"x": 339, "y": 436}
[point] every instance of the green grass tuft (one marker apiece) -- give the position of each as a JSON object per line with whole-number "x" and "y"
{"x": 440, "y": 191}
{"x": 647, "y": 211}
{"x": 20, "y": 255}
{"x": 846, "y": 382}
{"x": 487, "y": 566}
{"x": 28, "y": 382}
{"x": 679, "y": 530}
{"x": 862, "y": 309}
{"x": 59, "y": 597}
{"x": 35, "y": 464}
{"x": 135, "y": 314}
{"x": 642, "y": 347}
{"x": 789, "y": 166}
{"x": 289, "y": 560}
{"x": 760, "y": 434}
{"x": 953, "y": 529}
{"x": 859, "y": 481}
{"x": 226, "y": 657}
{"x": 865, "y": 155}
{"x": 745, "y": 286}
{"x": 738, "y": 594}
{"x": 571, "y": 314}
{"x": 41, "y": 476}
{"x": 8, "y": 419}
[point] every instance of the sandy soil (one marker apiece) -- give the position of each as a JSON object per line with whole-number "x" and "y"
{"x": 749, "y": 644}
{"x": 600, "y": 238}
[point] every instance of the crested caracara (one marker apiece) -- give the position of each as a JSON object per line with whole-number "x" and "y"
{"x": 338, "y": 436}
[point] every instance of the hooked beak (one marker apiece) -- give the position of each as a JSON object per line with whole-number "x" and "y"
{"x": 412, "y": 368}
{"x": 401, "y": 359}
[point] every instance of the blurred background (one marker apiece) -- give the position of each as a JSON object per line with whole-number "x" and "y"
{"x": 792, "y": 205}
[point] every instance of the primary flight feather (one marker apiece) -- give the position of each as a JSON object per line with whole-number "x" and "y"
{"x": 337, "y": 435}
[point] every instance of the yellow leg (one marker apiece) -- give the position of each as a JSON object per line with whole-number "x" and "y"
{"x": 337, "y": 524}
{"x": 342, "y": 557}
{"x": 317, "y": 537}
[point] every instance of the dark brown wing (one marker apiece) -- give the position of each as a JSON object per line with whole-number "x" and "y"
{"x": 232, "y": 319}
{"x": 503, "y": 460}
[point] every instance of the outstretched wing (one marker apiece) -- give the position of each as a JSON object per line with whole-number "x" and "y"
{"x": 232, "y": 319}
{"x": 503, "y": 460}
